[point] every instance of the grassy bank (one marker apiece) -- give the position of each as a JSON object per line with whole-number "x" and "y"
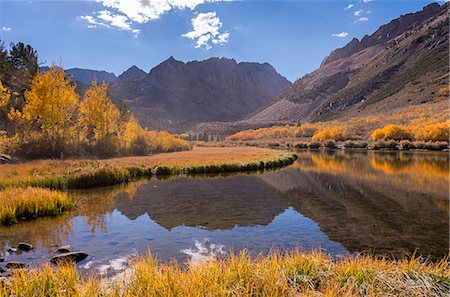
{"x": 29, "y": 203}
{"x": 94, "y": 173}
{"x": 290, "y": 274}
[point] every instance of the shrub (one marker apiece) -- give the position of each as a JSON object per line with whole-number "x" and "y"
{"x": 350, "y": 144}
{"x": 393, "y": 132}
{"x": 382, "y": 144}
{"x": 436, "y": 145}
{"x": 300, "y": 144}
{"x": 329, "y": 144}
{"x": 330, "y": 133}
{"x": 314, "y": 144}
{"x": 436, "y": 132}
{"x": 405, "y": 145}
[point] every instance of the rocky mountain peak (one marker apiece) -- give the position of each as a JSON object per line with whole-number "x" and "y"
{"x": 133, "y": 72}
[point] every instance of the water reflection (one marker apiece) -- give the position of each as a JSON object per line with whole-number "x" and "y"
{"x": 388, "y": 202}
{"x": 338, "y": 201}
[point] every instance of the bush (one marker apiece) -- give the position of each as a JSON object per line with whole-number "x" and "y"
{"x": 382, "y": 144}
{"x": 436, "y": 132}
{"x": 314, "y": 144}
{"x": 350, "y": 144}
{"x": 329, "y": 144}
{"x": 330, "y": 133}
{"x": 435, "y": 145}
{"x": 300, "y": 144}
{"x": 393, "y": 132}
{"x": 405, "y": 145}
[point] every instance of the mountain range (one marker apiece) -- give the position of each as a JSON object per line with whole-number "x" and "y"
{"x": 403, "y": 63}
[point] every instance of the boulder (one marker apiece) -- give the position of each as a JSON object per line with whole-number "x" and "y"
{"x": 15, "y": 265}
{"x": 64, "y": 249}
{"x": 12, "y": 250}
{"x": 69, "y": 257}
{"x": 24, "y": 246}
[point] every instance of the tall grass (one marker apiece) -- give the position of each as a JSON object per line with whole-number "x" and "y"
{"x": 29, "y": 203}
{"x": 292, "y": 273}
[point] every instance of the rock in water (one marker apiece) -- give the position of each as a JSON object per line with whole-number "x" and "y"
{"x": 69, "y": 257}
{"x": 12, "y": 250}
{"x": 23, "y": 246}
{"x": 15, "y": 265}
{"x": 64, "y": 249}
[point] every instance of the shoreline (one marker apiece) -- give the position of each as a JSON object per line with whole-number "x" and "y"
{"x": 99, "y": 173}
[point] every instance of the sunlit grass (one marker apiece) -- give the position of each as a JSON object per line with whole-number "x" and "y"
{"x": 293, "y": 273}
{"x": 29, "y": 203}
{"x": 94, "y": 173}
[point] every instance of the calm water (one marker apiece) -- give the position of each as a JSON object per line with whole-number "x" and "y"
{"x": 340, "y": 202}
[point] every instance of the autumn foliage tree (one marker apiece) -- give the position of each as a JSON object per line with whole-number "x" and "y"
{"x": 52, "y": 105}
{"x": 54, "y": 122}
{"x": 394, "y": 132}
{"x": 99, "y": 117}
{"x": 330, "y": 133}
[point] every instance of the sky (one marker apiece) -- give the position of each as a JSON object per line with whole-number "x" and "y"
{"x": 293, "y": 35}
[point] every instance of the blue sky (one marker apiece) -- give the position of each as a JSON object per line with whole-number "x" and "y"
{"x": 293, "y": 36}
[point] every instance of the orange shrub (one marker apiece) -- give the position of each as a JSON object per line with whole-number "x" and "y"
{"x": 330, "y": 133}
{"x": 436, "y": 132}
{"x": 394, "y": 132}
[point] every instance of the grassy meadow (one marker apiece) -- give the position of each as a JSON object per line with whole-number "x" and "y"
{"x": 29, "y": 203}
{"x": 62, "y": 174}
{"x": 293, "y": 273}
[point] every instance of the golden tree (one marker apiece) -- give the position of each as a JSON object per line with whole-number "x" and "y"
{"x": 99, "y": 117}
{"x": 52, "y": 102}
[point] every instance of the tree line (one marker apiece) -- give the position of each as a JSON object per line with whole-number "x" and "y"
{"x": 42, "y": 115}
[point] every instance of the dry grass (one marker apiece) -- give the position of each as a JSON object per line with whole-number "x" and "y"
{"x": 29, "y": 203}
{"x": 91, "y": 173}
{"x": 290, "y": 274}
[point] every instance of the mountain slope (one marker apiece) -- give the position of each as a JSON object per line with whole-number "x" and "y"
{"x": 402, "y": 64}
{"x": 405, "y": 68}
{"x": 176, "y": 95}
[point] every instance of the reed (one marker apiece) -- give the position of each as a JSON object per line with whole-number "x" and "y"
{"x": 29, "y": 203}
{"x": 292, "y": 273}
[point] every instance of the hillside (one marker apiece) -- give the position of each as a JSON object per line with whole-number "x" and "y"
{"x": 402, "y": 64}
{"x": 176, "y": 95}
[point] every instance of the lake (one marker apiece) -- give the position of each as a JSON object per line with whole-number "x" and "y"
{"x": 341, "y": 202}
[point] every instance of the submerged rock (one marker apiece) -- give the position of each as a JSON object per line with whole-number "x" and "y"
{"x": 64, "y": 249}
{"x": 15, "y": 265}
{"x": 23, "y": 246}
{"x": 69, "y": 257}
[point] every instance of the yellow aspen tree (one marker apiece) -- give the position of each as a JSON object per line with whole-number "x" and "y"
{"x": 52, "y": 102}
{"x": 98, "y": 113}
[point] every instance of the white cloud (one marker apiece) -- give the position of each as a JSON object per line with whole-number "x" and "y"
{"x": 6, "y": 29}
{"x": 143, "y": 11}
{"x": 363, "y": 19}
{"x": 349, "y": 6}
{"x": 358, "y": 12}
{"x": 366, "y": 1}
{"x": 107, "y": 19}
{"x": 342, "y": 34}
{"x": 206, "y": 29}
{"x": 122, "y": 14}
